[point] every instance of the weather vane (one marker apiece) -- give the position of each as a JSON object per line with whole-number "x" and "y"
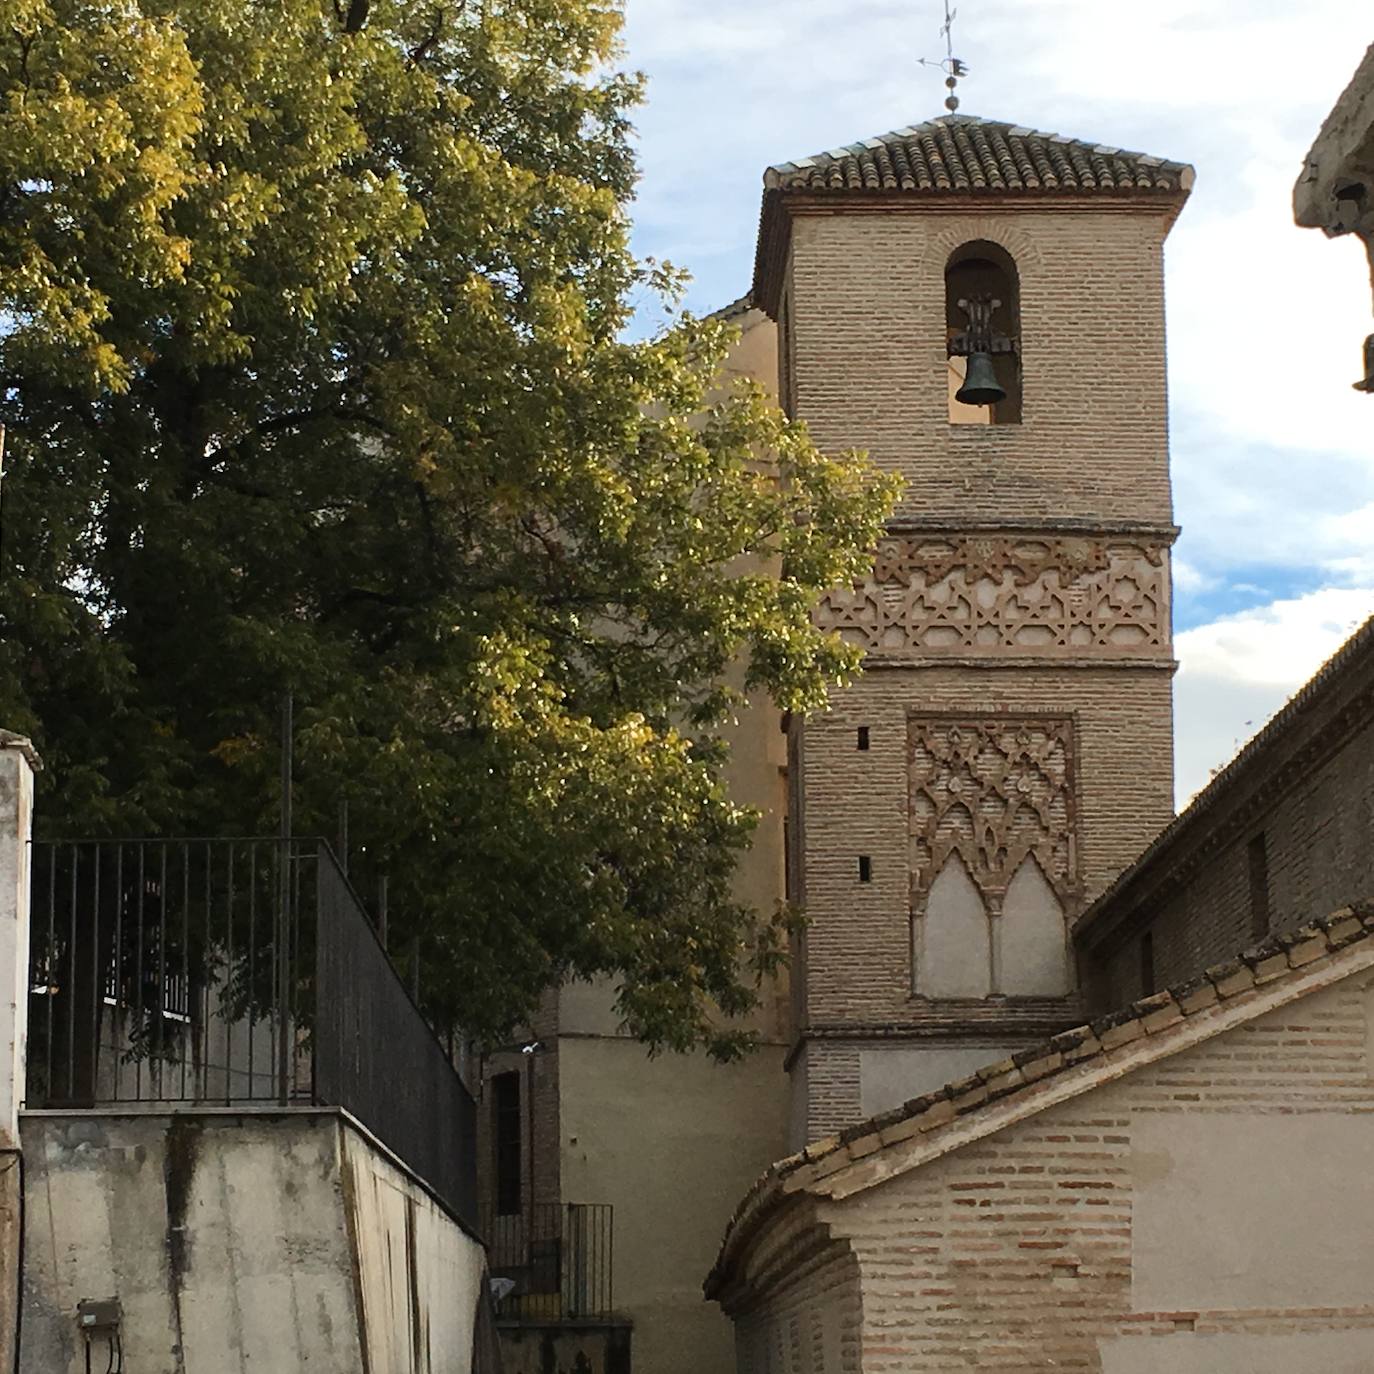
{"x": 952, "y": 67}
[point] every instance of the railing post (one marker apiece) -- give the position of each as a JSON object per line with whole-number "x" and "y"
{"x": 18, "y": 761}
{"x": 285, "y": 1031}
{"x": 17, "y": 764}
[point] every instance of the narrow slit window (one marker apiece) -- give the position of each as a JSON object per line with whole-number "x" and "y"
{"x": 1258, "y": 856}
{"x": 865, "y": 868}
{"x": 862, "y": 741}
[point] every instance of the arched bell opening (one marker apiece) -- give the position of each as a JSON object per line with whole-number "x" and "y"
{"x": 983, "y": 335}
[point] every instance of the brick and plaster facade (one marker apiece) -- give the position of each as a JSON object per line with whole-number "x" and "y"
{"x": 1183, "y": 1185}
{"x": 1009, "y": 748}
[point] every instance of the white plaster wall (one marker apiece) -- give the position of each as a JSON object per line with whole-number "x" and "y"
{"x": 889, "y": 1077}
{"x": 954, "y": 950}
{"x": 1189, "y": 1352}
{"x": 1229, "y": 1211}
{"x": 1034, "y": 945}
{"x": 420, "y": 1274}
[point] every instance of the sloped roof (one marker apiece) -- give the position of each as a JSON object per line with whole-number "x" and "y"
{"x": 966, "y": 153}
{"x": 1348, "y": 672}
{"x": 961, "y": 156}
{"x": 742, "y": 306}
{"x": 1280, "y": 969}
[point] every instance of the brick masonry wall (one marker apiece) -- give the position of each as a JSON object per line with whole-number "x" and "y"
{"x": 858, "y": 943}
{"x": 1164, "y": 1221}
{"x": 1309, "y": 793}
{"x": 814, "y": 1323}
{"x": 867, "y": 301}
{"x": 827, "y": 1074}
{"x": 539, "y": 1109}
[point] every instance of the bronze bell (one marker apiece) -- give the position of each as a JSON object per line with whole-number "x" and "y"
{"x": 980, "y": 386}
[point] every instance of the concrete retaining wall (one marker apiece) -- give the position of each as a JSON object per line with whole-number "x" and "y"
{"x": 275, "y": 1243}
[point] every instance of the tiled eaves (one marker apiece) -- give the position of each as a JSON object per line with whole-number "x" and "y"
{"x": 1349, "y": 670}
{"x": 1093, "y": 1054}
{"x": 968, "y": 153}
{"x": 956, "y": 161}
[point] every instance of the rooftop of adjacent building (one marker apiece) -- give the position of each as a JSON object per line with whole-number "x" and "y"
{"x": 1279, "y": 969}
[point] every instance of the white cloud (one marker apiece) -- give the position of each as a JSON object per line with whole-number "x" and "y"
{"x": 1273, "y": 467}
{"x": 1237, "y": 671}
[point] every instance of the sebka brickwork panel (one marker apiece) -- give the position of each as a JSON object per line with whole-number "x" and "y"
{"x": 994, "y": 790}
{"x": 858, "y": 967}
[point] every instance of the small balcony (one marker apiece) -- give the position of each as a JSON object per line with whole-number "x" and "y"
{"x": 552, "y": 1264}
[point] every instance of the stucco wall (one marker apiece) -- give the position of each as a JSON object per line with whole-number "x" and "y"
{"x": 671, "y": 1143}
{"x": 238, "y": 1241}
{"x": 1206, "y": 1213}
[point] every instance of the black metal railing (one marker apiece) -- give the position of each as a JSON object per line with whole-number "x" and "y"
{"x": 228, "y": 972}
{"x": 558, "y": 1261}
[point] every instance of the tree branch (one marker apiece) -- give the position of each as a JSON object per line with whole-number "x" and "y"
{"x": 291, "y": 420}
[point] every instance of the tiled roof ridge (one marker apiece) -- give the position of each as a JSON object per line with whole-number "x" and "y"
{"x": 1326, "y": 678}
{"x": 1278, "y": 956}
{"x": 967, "y": 153}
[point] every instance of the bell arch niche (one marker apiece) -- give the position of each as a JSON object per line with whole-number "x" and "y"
{"x": 994, "y": 865}
{"x": 983, "y": 335}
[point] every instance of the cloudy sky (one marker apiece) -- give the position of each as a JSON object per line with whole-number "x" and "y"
{"x": 1273, "y": 453}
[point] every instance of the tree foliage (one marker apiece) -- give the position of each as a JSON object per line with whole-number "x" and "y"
{"x": 316, "y": 380}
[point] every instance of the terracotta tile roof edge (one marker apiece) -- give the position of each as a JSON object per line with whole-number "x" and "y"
{"x": 741, "y": 306}
{"x": 781, "y": 170}
{"x": 1252, "y": 980}
{"x": 956, "y": 159}
{"x": 1346, "y": 660}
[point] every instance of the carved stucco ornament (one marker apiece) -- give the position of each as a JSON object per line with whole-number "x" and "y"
{"x": 985, "y": 594}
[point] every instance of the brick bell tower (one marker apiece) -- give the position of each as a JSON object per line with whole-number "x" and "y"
{"x": 981, "y": 308}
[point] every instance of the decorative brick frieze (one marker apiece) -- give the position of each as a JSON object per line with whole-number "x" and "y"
{"x": 990, "y": 593}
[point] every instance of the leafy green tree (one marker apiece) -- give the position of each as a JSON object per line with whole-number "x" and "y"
{"x": 316, "y": 380}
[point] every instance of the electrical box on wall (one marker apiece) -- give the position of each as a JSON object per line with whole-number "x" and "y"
{"x": 96, "y": 1316}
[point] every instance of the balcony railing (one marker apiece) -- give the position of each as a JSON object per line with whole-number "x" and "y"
{"x": 233, "y": 972}
{"x": 558, "y": 1260}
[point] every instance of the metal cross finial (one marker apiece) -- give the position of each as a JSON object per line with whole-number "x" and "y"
{"x": 952, "y": 67}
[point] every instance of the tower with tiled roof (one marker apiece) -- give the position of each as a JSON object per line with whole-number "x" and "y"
{"x": 980, "y": 307}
